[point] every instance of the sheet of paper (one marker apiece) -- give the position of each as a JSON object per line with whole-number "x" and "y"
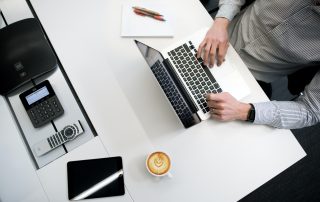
{"x": 134, "y": 25}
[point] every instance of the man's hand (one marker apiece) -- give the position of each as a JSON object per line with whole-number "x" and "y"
{"x": 225, "y": 107}
{"x": 215, "y": 42}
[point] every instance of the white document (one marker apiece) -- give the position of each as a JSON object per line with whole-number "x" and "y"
{"x": 134, "y": 25}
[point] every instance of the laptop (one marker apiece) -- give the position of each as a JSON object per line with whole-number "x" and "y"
{"x": 186, "y": 80}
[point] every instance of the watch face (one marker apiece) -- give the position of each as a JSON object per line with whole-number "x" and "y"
{"x": 69, "y": 132}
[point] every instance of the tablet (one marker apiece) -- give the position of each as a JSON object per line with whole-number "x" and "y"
{"x": 95, "y": 178}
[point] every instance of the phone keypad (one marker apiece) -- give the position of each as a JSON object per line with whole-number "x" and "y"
{"x": 45, "y": 111}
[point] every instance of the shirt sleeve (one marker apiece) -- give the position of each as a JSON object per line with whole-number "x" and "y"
{"x": 229, "y": 8}
{"x": 304, "y": 111}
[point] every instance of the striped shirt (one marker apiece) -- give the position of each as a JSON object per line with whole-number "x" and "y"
{"x": 276, "y": 38}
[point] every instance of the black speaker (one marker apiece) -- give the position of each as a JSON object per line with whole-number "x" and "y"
{"x": 25, "y": 54}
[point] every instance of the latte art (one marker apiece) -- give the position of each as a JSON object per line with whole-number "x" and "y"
{"x": 158, "y": 163}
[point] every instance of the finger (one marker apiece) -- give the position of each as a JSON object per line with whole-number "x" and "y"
{"x": 222, "y": 53}
{"x": 200, "y": 49}
{"x": 212, "y": 54}
{"x": 217, "y": 111}
{"x": 216, "y": 117}
{"x": 206, "y": 53}
{"x": 215, "y": 97}
{"x": 221, "y": 117}
{"x": 212, "y": 104}
{"x": 216, "y": 105}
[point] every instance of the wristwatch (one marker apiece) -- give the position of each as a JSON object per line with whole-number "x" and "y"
{"x": 251, "y": 114}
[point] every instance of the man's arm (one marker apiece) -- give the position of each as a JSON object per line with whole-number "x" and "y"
{"x": 229, "y": 8}
{"x": 305, "y": 111}
{"x": 216, "y": 40}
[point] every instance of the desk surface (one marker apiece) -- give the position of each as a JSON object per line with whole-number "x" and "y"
{"x": 212, "y": 161}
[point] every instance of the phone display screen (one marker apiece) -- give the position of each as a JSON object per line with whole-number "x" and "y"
{"x": 37, "y": 95}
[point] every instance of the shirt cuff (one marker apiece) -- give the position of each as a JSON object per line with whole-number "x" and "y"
{"x": 264, "y": 113}
{"x": 228, "y": 11}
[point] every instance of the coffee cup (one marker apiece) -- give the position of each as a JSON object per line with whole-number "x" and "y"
{"x": 159, "y": 164}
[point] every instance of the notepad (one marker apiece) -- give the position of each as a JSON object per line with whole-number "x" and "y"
{"x": 134, "y": 25}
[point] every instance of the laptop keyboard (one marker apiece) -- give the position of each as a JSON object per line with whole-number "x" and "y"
{"x": 198, "y": 78}
{"x": 172, "y": 93}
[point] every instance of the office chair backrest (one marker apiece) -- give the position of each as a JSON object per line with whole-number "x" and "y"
{"x": 298, "y": 80}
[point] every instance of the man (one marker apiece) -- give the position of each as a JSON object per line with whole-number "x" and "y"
{"x": 274, "y": 38}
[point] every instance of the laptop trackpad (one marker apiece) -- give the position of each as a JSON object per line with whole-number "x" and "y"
{"x": 230, "y": 80}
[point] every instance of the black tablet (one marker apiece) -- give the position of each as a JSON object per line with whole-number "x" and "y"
{"x": 95, "y": 178}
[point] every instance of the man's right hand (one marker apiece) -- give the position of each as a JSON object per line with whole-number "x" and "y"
{"x": 225, "y": 107}
{"x": 215, "y": 42}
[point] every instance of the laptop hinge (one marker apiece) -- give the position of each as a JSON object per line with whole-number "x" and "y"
{"x": 194, "y": 108}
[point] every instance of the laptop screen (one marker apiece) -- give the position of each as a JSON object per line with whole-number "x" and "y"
{"x": 151, "y": 55}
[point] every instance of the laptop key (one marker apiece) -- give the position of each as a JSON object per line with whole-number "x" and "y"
{"x": 186, "y": 47}
{"x": 177, "y": 49}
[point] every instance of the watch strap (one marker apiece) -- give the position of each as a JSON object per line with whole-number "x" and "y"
{"x": 251, "y": 114}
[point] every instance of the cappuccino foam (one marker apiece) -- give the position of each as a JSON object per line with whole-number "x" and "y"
{"x": 158, "y": 163}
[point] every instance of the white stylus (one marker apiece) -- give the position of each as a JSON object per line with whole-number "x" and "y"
{"x": 99, "y": 186}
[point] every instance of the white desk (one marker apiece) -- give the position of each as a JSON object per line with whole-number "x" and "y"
{"x": 212, "y": 161}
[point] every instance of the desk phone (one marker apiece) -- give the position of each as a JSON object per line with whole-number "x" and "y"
{"x": 41, "y": 104}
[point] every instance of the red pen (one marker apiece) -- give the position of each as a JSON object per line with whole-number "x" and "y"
{"x": 146, "y": 10}
{"x": 142, "y": 13}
